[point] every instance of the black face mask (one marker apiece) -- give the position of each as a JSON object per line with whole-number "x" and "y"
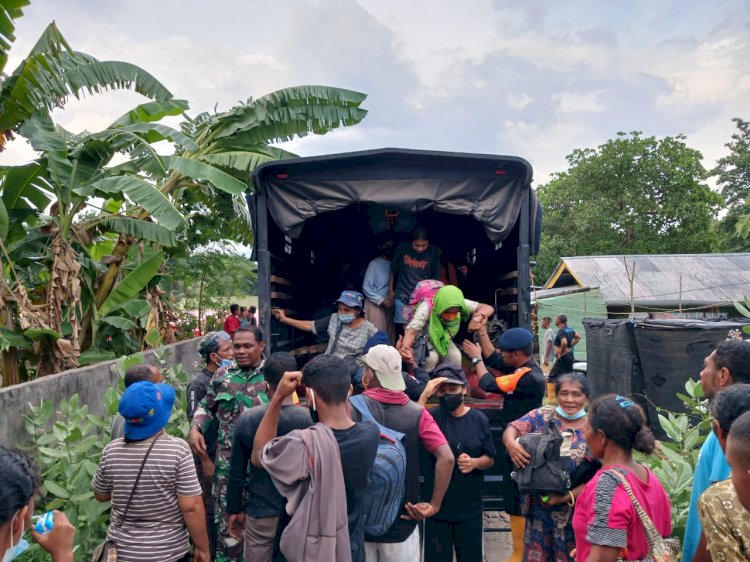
{"x": 314, "y": 416}
{"x": 451, "y": 401}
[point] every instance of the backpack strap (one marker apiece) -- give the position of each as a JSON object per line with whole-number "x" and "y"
{"x": 360, "y": 404}
{"x": 339, "y": 328}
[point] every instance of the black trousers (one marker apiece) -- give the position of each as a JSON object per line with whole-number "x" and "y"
{"x": 442, "y": 537}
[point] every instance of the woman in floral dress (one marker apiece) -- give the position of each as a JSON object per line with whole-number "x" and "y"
{"x": 549, "y": 534}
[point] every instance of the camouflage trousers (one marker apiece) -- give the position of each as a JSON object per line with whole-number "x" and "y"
{"x": 227, "y": 548}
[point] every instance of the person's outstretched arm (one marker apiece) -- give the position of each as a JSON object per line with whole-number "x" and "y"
{"x": 306, "y": 325}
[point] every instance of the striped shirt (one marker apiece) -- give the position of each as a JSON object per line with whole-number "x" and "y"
{"x": 155, "y": 529}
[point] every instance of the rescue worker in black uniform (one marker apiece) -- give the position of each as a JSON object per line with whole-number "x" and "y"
{"x": 522, "y": 385}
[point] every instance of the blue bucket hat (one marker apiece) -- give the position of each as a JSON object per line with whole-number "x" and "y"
{"x": 351, "y": 298}
{"x": 146, "y": 408}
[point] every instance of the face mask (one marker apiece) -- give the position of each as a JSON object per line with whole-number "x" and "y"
{"x": 15, "y": 551}
{"x": 346, "y": 318}
{"x": 451, "y": 401}
{"x": 314, "y": 409}
{"x": 225, "y": 364}
{"x": 455, "y": 323}
{"x": 563, "y": 414}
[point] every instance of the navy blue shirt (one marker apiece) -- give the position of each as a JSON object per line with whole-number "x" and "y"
{"x": 266, "y": 500}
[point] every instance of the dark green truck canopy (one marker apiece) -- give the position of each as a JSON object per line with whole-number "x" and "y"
{"x": 489, "y": 188}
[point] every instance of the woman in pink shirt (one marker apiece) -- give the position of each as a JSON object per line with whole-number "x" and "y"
{"x": 605, "y": 523}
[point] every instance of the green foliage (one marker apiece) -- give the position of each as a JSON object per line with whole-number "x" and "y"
{"x": 631, "y": 195}
{"x": 744, "y": 309}
{"x": 732, "y": 174}
{"x": 675, "y": 460}
{"x": 67, "y": 443}
{"x": 208, "y": 281}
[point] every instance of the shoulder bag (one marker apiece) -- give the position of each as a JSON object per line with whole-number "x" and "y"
{"x": 545, "y": 473}
{"x": 107, "y": 551}
{"x": 659, "y": 548}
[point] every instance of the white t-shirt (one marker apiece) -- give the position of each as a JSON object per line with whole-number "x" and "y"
{"x": 549, "y": 336}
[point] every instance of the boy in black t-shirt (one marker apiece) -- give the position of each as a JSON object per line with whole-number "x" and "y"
{"x": 458, "y": 524}
{"x": 327, "y": 387}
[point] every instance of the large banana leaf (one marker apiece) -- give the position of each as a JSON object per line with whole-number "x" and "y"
{"x": 239, "y": 160}
{"x": 151, "y": 112}
{"x": 155, "y": 132}
{"x": 141, "y": 229}
{"x": 4, "y": 221}
{"x": 26, "y": 182}
{"x": 133, "y": 283}
{"x": 284, "y": 114}
{"x": 9, "y": 10}
{"x": 52, "y": 72}
{"x": 139, "y": 192}
{"x": 201, "y": 171}
{"x": 51, "y": 142}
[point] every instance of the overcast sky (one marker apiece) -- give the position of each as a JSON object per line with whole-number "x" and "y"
{"x": 527, "y": 78}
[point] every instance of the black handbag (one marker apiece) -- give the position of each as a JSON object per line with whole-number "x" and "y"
{"x": 107, "y": 551}
{"x": 544, "y": 474}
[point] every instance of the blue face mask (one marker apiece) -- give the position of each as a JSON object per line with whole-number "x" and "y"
{"x": 224, "y": 363}
{"x": 346, "y": 318}
{"x": 15, "y": 551}
{"x": 563, "y": 414}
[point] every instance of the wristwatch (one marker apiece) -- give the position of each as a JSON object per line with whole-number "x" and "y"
{"x": 475, "y": 360}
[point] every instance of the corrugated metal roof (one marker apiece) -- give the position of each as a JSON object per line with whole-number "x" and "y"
{"x": 661, "y": 280}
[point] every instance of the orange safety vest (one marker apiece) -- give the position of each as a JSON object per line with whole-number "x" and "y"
{"x": 507, "y": 383}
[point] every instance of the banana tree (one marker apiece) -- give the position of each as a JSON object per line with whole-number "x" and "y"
{"x": 228, "y": 146}
{"x": 69, "y": 172}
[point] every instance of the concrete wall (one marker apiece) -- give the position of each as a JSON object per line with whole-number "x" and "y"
{"x": 90, "y": 382}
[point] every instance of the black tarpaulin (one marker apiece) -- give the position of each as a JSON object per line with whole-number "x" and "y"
{"x": 488, "y": 188}
{"x": 665, "y": 353}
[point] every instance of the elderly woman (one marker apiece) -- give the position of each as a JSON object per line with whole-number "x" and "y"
{"x": 19, "y": 480}
{"x": 150, "y": 479}
{"x": 441, "y": 321}
{"x": 548, "y": 533}
{"x": 348, "y": 331}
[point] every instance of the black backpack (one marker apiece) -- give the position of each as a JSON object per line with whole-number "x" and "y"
{"x": 545, "y": 473}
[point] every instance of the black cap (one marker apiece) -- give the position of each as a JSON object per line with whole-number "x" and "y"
{"x": 453, "y": 373}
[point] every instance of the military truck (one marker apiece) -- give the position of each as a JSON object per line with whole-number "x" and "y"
{"x": 316, "y": 220}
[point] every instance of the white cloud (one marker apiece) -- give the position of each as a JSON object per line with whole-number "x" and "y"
{"x": 530, "y": 78}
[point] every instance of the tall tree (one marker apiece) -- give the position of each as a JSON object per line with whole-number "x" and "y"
{"x": 631, "y": 195}
{"x": 732, "y": 174}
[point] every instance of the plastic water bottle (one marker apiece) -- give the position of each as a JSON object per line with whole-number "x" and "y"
{"x": 43, "y": 523}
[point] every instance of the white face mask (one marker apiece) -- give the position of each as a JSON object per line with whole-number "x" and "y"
{"x": 15, "y": 551}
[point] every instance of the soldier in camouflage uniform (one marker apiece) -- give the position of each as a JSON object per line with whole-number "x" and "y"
{"x": 229, "y": 394}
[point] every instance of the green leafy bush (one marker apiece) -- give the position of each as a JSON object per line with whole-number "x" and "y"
{"x": 67, "y": 445}
{"x": 675, "y": 460}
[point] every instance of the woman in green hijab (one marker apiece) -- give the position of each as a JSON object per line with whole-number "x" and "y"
{"x": 440, "y": 323}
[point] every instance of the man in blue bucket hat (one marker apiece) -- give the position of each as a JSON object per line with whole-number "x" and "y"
{"x": 348, "y": 331}
{"x": 150, "y": 476}
{"x": 146, "y": 408}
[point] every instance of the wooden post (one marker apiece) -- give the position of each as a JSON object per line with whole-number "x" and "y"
{"x": 631, "y": 280}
